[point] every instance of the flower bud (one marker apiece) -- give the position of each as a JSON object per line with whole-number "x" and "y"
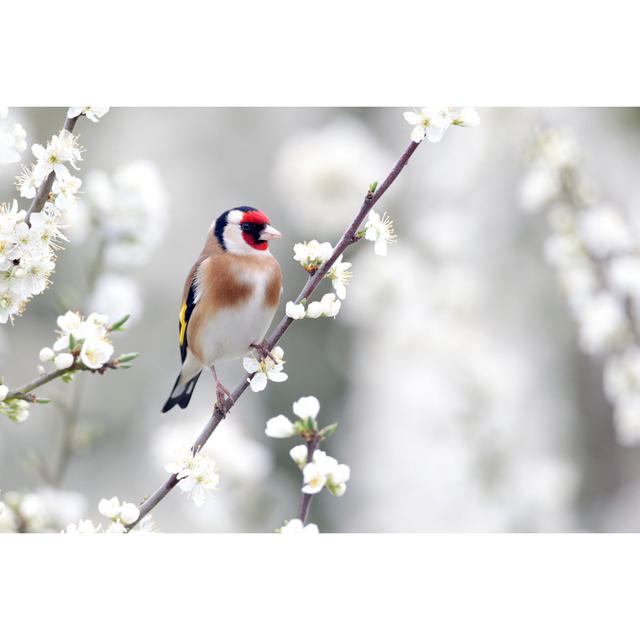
{"x": 63, "y": 361}
{"x": 46, "y": 354}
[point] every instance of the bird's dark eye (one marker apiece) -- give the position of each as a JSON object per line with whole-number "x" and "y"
{"x": 246, "y": 226}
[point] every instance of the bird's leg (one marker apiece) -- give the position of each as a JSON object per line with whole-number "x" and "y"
{"x": 262, "y": 350}
{"x": 221, "y": 393}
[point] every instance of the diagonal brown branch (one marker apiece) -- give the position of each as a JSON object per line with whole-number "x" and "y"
{"x": 348, "y": 238}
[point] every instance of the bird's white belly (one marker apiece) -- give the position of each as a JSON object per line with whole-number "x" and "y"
{"x": 229, "y": 334}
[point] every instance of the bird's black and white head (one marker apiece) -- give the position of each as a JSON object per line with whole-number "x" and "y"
{"x": 244, "y": 230}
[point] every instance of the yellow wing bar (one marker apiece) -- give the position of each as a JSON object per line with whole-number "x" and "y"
{"x": 183, "y": 323}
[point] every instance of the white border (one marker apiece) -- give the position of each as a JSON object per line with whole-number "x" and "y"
{"x": 524, "y": 587}
{"x": 287, "y": 52}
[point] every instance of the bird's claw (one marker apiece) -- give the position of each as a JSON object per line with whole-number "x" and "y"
{"x": 222, "y": 393}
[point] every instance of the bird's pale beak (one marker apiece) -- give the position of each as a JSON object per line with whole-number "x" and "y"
{"x": 269, "y": 233}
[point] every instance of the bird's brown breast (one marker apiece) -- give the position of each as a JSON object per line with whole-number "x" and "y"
{"x": 230, "y": 280}
{"x": 227, "y": 281}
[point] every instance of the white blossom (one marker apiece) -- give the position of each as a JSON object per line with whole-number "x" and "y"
{"x": 428, "y": 122}
{"x": 65, "y": 191}
{"x": 307, "y": 407}
{"x": 379, "y": 230}
{"x": 13, "y": 141}
{"x": 121, "y": 514}
{"x": 93, "y": 113}
{"x": 328, "y": 306}
{"x": 196, "y": 474}
{"x": 466, "y": 117}
{"x": 27, "y": 256}
{"x": 312, "y": 254}
{"x": 624, "y": 275}
{"x": 538, "y": 188}
{"x": 62, "y": 148}
{"x": 95, "y": 352}
{"x": 627, "y": 420}
{"x": 324, "y": 470}
{"x": 271, "y": 368}
{"x": 603, "y": 323}
{"x": 46, "y": 354}
{"x": 63, "y": 360}
{"x": 4, "y": 390}
{"x": 109, "y": 508}
{"x": 83, "y": 526}
{"x": 605, "y": 231}
{"x": 299, "y": 455}
{"x": 340, "y": 276}
{"x": 295, "y": 526}
{"x": 314, "y": 478}
{"x": 295, "y": 311}
{"x": 28, "y": 184}
{"x": 280, "y": 427}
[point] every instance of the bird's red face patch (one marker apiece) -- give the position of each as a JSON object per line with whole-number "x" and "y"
{"x": 254, "y": 222}
{"x": 255, "y": 217}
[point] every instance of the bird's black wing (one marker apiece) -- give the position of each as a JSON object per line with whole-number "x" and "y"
{"x": 185, "y": 313}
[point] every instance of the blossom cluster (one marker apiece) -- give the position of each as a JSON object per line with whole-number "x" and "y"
{"x": 28, "y": 242}
{"x": 82, "y": 343}
{"x": 432, "y": 122}
{"x": 323, "y": 471}
{"x": 84, "y": 340}
{"x": 319, "y": 470}
{"x": 594, "y": 247}
{"x": 121, "y": 516}
{"x": 313, "y": 254}
{"x": 93, "y": 113}
{"x": 266, "y": 369}
{"x": 196, "y": 474}
{"x": 27, "y": 255}
{"x": 13, "y": 139}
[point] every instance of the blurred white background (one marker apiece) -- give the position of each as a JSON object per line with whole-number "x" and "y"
{"x": 454, "y": 367}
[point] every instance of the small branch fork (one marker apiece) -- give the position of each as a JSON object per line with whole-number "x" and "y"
{"x": 348, "y": 238}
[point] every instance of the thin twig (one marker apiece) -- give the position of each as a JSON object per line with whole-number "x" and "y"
{"x": 23, "y": 392}
{"x": 348, "y": 238}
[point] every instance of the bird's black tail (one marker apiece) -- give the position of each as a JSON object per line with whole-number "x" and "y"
{"x": 181, "y": 393}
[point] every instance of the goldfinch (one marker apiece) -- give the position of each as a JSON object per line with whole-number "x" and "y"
{"x": 229, "y": 299}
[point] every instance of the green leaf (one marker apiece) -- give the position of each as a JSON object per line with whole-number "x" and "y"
{"x": 329, "y": 430}
{"x": 73, "y": 343}
{"x": 43, "y": 400}
{"x": 118, "y": 326}
{"x": 127, "y": 357}
{"x": 373, "y": 186}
